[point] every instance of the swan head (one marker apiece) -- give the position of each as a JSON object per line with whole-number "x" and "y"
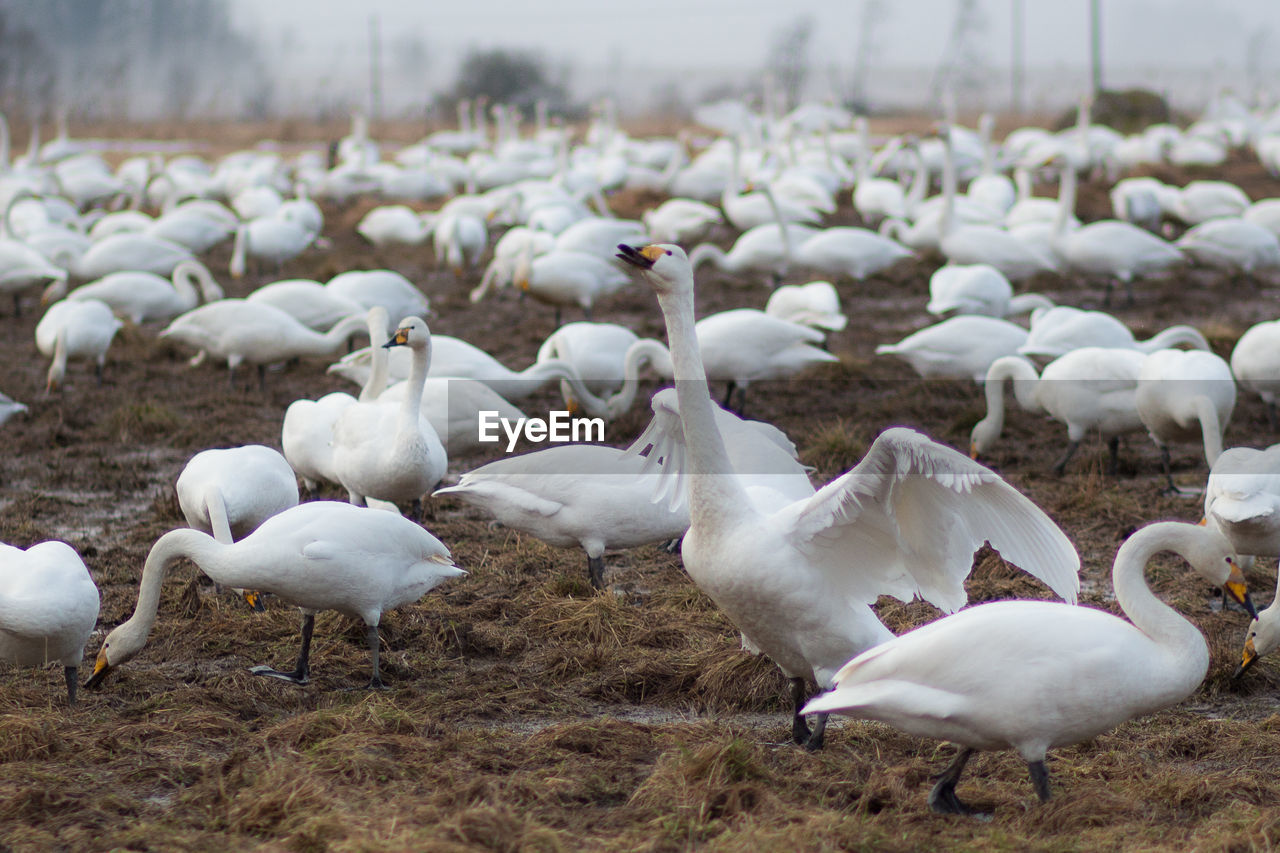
{"x": 1262, "y": 638}
{"x": 122, "y": 644}
{"x": 664, "y": 265}
{"x": 412, "y": 333}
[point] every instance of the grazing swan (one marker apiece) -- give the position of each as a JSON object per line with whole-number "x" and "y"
{"x": 1086, "y": 389}
{"x": 309, "y": 302}
{"x": 852, "y": 253}
{"x": 1232, "y": 244}
{"x": 143, "y": 296}
{"x": 1061, "y": 329}
{"x": 271, "y": 239}
{"x": 962, "y": 347}
{"x": 1242, "y": 500}
{"x": 566, "y": 278}
{"x": 763, "y": 250}
{"x": 130, "y": 252}
{"x": 597, "y": 352}
{"x": 797, "y": 577}
{"x": 978, "y": 289}
{"x": 1118, "y": 250}
{"x": 48, "y": 607}
{"x": 307, "y": 431}
{"x": 1255, "y": 361}
{"x": 739, "y": 347}
{"x": 459, "y": 239}
{"x": 816, "y": 305}
{"x": 387, "y": 288}
{"x": 1185, "y": 396}
{"x": 80, "y": 329}
{"x": 395, "y": 223}
{"x": 600, "y": 498}
{"x": 390, "y": 452}
{"x": 22, "y": 268}
{"x": 1035, "y": 675}
{"x": 681, "y": 220}
{"x": 321, "y": 555}
{"x": 241, "y": 331}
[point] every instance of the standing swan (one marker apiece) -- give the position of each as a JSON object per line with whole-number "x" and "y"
{"x": 318, "y": 556}
{"x": 798, "y": 577}
{"x": 48, "y": 607}
{"x": 1034, "y": 675}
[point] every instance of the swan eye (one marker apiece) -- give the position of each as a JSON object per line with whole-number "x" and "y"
{"x": 668, "y": 251}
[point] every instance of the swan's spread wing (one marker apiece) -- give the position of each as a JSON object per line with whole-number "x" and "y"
{"x": 907, "y": 519}
{"x": 662, "y": 446}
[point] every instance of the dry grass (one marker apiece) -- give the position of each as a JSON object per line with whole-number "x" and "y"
{"x": 526, "y": 712}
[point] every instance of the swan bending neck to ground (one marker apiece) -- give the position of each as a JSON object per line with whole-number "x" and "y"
{"x": 321, "y": 555}
{"x": 797, "y": 576}
{"x": 1035, "y": 675}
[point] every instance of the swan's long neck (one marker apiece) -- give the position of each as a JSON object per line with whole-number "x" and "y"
{"x": 541, "y": 372}
{"x": 329, "y": 342}
{"x": 238, "y": 252}
{"x": 919, "y": 180}
{"x": 1210, "y": 430}
{"x": 948, "y": 185}
{"x": 782, "y": 225}
{"x": 709, "y": 252}
{"x": 640, "y": 352}
{"x": 1066, "y": 199}
{"x": 1149, "y": 614}
{"x": 1024, "y": 379}
{"x": 411, "y": 405}
{"x": 986, "y": 125}
{"x": 182, "y": 283}
{"x": 713, "y": 488}
{"x": 1027, "y": 302}
{"x": 203, "y": 550}
{"x": 379, "y": 364}
{"x": 218, "y": 518}
{"x": 58, "y": 370}
{"x": 1022, "y": 182}
{"x": 1173, "y": 336}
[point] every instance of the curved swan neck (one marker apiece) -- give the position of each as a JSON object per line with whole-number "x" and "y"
{"x": 411, "y": 405}
{"x": 1173, "y": 336}
{"x": 557, "y": 368}
{"x": 379, "y": 364}
{"x": 1210, "y": 430}
{"x": 200, "y": 547}
{"x": 339, "y": 334}
{"x": 1149, "y": 614}
{"x": 783, "y": 232}
{"x": 238, "y": 252}
{"x": 704, "y": 252}
{"x": 1027, "y": 302}
{"x": 948, "y": 184}
{"x": 1024, "y": 378}
{"x": 640, "y": 352}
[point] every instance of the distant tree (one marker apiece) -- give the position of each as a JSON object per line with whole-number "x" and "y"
{"x": 508, "y": 77}
{"x": 873, "y": 16}
{"x": 788, "y": 60}
{"x": 962, "y": 69}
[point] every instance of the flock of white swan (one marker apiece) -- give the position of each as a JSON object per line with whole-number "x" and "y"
{"x": 796, "y": 568}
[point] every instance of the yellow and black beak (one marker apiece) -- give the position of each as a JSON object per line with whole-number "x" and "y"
{"x": 973, "y": 450}
{"x": 640, "y": 258}
{"x": 1238, "y": 589}
{"x": 399, "y": 339}
{"x": 100, "y": 670}
{"x": 1248, "y": 659}
{"x": 254, "y": 599}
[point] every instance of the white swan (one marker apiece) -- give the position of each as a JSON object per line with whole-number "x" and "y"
{"x": 1035, "y": 675}
{"x": 79, "y": 329}
{"x": 1232, "y": 244}
{"x": 597, "y": 352}
{"x": 763, "y": 250}
{"x": 1060, "y": 329}
{"x": 1242, "y": 500}
{"x": 739, "y": 346}
{"x": 390, "y": 452}
{"x": 1255, "y": 361}
{"x": 681, "y": 220}
{"x": 130, "y": 252}
{"x": 459, "y": 240}
{"x": 814, "y": 304}
{"x": 309, "y": 302}
{"x": 387, "y": 288}
{"x": 852, "y": 253}
{"x": 269, "y": 239}
{"x": 22, "y": 268}
{"x": 9, "y": 407}
{"x": 1200, "y": 201}
{"x": 193, "y": 227}
{"x": 48, "y": 607}
{"x": 321, "y": 555}
{"x": 962, "y": 347}
{"x": 241, "y": 331}
{"x": 1118, "y": 250}
{"x": 143, "y": 296}
{"x": 394, "y": 224}
{"x": 567, "y": 278}
{"x": 978, "y": 289}
{"x": 798, "y": 577}
{"x": 229, "y": 492}
{"x": 1086, "y": 389}
{"x": 1185, "y": 396}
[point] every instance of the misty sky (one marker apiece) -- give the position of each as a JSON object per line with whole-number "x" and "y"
{"x": 632, "y": 46}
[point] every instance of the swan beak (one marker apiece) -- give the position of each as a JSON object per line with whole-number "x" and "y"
{"x": 573, "y": 406}
{"x": 399, "y": 339}
{"x": 1238, "y": 589}
{"x": 641, "y": 258}
{"x": 1248, "y": 659}
{"x": 1204, "y": 522}
{"x": 973, "y": 451}
{"x": 254, "y": 599}
{"x": 100, "y": 670}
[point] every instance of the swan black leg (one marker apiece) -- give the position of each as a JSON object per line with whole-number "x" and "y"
{"x": 1061, "y": 464}
{"x": 71, "y": 673}
{"x": 262, "y": 378}
{"x": 814, "y": 743}
{"x": 302, "y": 669}
{"x": 17, "y": 305}
{"x": 1039, "y": 779}
{"x": 595, "y": 571}
{"x": 943, "y": 799}
{"x": 1166, "y": 462}
{"x": 1113, "y": 466}
{"x": 799, "y": 728}
{"x": 1271, "y": 414}
{"x": 375, "y": 645}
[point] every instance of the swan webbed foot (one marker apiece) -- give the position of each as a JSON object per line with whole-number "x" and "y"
{"x": 296, "y": 677}
{"x": 376, "y": 683}
{"x": 943, "y": 799}
{"x": 815, "y": 741}
{"x": 1039, "y": 779}
{"x": 595, "y": 571}
{"x": 71, "y": 674}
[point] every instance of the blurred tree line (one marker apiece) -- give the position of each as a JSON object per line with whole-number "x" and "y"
{"x": 127, "y": 58}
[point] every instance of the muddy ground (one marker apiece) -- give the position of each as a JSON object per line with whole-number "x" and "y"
{"x": 526, "y": 712}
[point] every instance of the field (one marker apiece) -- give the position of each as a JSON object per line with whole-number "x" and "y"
{"x": 526, "y": 712}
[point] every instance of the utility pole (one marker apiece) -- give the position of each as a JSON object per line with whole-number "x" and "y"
{"x": 375, "y": 69}
{"x": 1095, "y": 44}
{"x": 1018, "y": 58}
